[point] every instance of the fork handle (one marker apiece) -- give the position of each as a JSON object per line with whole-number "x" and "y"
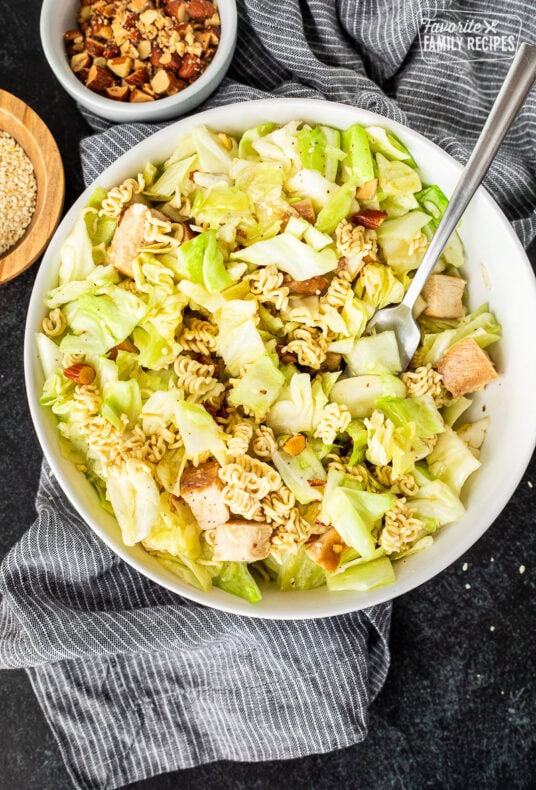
{"x": 516, "y": 86}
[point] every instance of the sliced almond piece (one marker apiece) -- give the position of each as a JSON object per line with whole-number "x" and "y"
{"x": 118, "y": 92}
{"x": 367, "y": 191}
{"x": 177, "y": 9}
{"x": 163, "y": 82}
{"x": 295, "y": 445}
{"x": 137, "y": 77}
{"x": 80, "y": 61}
{"x": 122, "y": 66}
{"x": 140, "y": 96}
{"x": 144, "y": 49}
{"x": 99, "y": 79}
{"x": 80, "y": 374}
{"x": 370, "y": 218}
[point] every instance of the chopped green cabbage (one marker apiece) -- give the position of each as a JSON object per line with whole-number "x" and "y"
{"x": 236, "y": 579}
{"x": 290, "y": 255}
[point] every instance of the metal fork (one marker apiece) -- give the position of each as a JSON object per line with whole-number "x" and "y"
{"x": 515, "y": 88}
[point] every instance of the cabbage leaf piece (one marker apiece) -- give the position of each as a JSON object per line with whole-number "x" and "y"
{"x": 236, "y": 579}
{"x": 290, "y": 255}
{"x": 135, "y": 499}
{"x": 451, "y": 460}
{"x": 259, "y": 387}
{"x": 200, "y": 433}
{"x": 101, "y": 320}
{"x": 238, "y": 342}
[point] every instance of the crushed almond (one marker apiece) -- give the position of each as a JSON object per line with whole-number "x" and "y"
{"x": 142, "y": 50}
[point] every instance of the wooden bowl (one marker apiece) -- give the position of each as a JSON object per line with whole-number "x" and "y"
{"x": 29, "y": 131}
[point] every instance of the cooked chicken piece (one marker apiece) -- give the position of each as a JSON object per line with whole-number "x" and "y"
{"x": 326, "y": 550}
{"x": 129, "y": 237}
{"x": 242, "y": 541}
{"x": 202, "y": 488}
{"x": 304, "y": 208}
{"x": 332, "y": 362}
{"x": 443, "y": 296}
{"x": 466, "y": 368}
{"x": 312, "y": 286}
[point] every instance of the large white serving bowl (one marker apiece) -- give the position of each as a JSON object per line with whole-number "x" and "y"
{"x": 498, "y": 272}
{"x": 58, "y": 16}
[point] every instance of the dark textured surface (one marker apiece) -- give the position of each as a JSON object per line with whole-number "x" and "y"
{"x": 457, "y": 710}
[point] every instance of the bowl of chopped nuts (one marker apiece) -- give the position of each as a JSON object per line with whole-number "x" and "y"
{"x": 139, "y": 60}
{"x": 31, "y": 186}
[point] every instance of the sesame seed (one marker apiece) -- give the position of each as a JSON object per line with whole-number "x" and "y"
{"x": 467, "y": 586}
{"x": 465, "y": 566}
{"x": 492, "y": 628}
{"x": 529, "y": 483}
{"x": 522, "y": 569}
{"x": 18, "y": 190}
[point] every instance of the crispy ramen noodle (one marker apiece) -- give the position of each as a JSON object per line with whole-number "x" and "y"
{"x": 266, "y": 283}
{"x": 334, "y": 420}
{"x": 291, "y": 535}
{"x": 241, "y": 436}
{"x": 118, "y": 197}
{"x": 358, "y": 472}
{"x": 264, "y": 442}
{"x": 199, "y": 336}
{"x": 400, "y": 529}
{"x": 241, "y": 503}
{"x": 424, "y": 380}
{"x": 71, "y": 359}
{"x": 339, "y": 290}
{"x": 277, "y": 505}
{"x": 54, "y": 324}
{"x": 406, "y": 483}
{"x": 309, "y": 345}
{"x": 357, "y": 243}
{"x": 234, "y": 475}
{"x": 196, "y": 378}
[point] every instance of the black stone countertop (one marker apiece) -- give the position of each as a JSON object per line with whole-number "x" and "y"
{"x": 457, "y": 710}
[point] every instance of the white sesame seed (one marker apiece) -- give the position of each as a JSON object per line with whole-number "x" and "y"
{"x": 18, "y": 190}
{"x": 529, "y": 483}
{"x": 467, "y": 586}
{"x": 522, "y": 569}
{"x": 465, "y": 566}
{"x": 491, "y": 559}
{"x": 492, "y": 628}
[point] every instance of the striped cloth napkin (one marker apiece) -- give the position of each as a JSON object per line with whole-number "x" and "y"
{"x": 133, "y": 680}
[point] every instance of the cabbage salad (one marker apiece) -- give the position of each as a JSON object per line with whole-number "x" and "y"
{"x": 205, "y": 354}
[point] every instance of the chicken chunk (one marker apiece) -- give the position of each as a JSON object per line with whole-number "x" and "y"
{"x": 443, "y": 296}
{"x": 242, "y": 541}
{"x": 304, "y": 208}
{"x": 202, "y": 489}
{"x": 326, "y": 550}
{"x": 311, "y": 287}
{"x": 129, "y": 236}
{"x": 466, "y": 368}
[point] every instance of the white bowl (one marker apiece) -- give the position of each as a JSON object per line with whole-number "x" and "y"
{"x": 58, "y": 16}
{"x": 498, "y": 272}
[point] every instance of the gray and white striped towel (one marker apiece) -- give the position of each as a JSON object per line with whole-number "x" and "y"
{"x": 134, "y": 680}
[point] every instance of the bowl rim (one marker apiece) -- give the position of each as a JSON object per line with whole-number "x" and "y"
{"x": 150, "y": 111}
{"x": 235, "y": 605}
